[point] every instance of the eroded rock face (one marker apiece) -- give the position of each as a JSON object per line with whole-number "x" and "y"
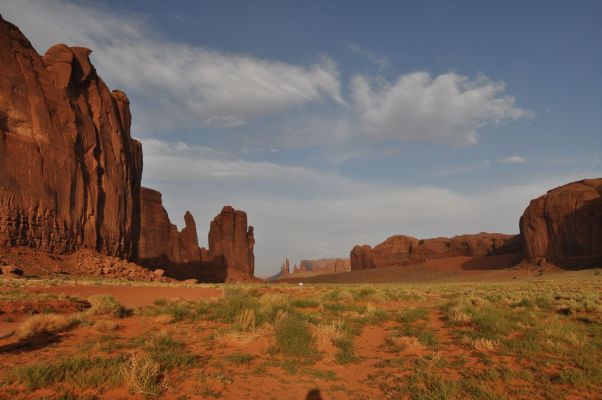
{"x": 161, "y": 244}
{"x": 404, "y": 250}
{"x": 69, "y": 169}
{"x": 564, "y": 226}
{"x": 230, "y": 254}
{"x": 231, "y": 242}
{"x": 361, "y": 257}
{"x": 285, "y": 268}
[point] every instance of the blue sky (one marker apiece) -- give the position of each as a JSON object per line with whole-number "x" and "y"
{"x": 342, "y": 122}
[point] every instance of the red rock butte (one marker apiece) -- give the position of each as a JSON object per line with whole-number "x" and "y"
{"x": 564, "y": 226}
{"x": 70, "y": 171}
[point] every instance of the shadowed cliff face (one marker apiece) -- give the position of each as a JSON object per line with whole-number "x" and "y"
{"x": 564, "y": 226}
{"x": 230, "y": 253}
{"x": 69, "y": 170}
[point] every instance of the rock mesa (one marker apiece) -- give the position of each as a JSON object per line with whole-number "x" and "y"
{"x": 404, "y": 250}
{"x": 564, "y": 226}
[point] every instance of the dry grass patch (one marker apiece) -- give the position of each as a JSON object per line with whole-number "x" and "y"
{"x": 41, "y": 324}
{"x": 143, "y": 375}
{"x": 245, "y": 320}
{"x": 484, "y": 345}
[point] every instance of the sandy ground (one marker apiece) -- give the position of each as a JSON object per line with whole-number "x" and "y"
{"x": 135, "y": 296}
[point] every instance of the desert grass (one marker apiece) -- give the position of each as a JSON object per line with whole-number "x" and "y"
{"x": 82, "y": 372}
{"x": 107, "y": 305}
{"x": 41, "y": 324}
{"x": 535, "y": 338}
{"x": 294, "y": 338}
{"x": 142, "y": 374}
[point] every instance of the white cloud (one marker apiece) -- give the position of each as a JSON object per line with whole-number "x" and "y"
{"x": 512, "y": 160}
{"x": 178, "y": 85}
{"x": 449, "y": 108}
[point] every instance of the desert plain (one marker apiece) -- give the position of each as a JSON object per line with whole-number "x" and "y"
{"x": 492, "y": 334}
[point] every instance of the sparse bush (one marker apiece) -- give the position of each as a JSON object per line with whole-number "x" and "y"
{"x": 294, "y": 338}
{"x": 483, "y": 345}
{"x": 84, "y": 372}
{"x": 45, "y": 324}
{"x": 305, "y": 303}
{"x": 169, "y": 353}
{"x": 412, "y": 314}
{"x": 245, "y": 320}
{"x": 143, "y": 375}
{"x": 346, "y": 353}
{"x": 104, "y": 304}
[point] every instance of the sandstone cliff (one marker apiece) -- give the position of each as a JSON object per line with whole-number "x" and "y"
{"x": 231, "y": 242}
{"x": 404, "y": 250}
{"x": 230, "y": 254}
{"x": 564, "y": 226}
{"x": 161, "y": 244}
{"x": 69, "y": 169}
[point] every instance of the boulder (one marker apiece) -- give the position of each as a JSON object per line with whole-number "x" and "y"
{"x": 69, "y": 170}
{"x": 11, "y": 270}
{"x": 564, "y": 226}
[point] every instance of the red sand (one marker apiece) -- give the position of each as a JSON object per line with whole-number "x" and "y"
{"x": 135, "y": 296}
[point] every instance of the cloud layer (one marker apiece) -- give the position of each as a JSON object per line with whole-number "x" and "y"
{"x": 178, "y": 86}
{"x": 448, "y": 108}
{"x": 181, "y": 86}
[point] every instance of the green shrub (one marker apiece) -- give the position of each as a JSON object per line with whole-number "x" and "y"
{"x": 412, "y": 314}
{"x": 294, "y": 338}
{"x": 104, "y": 304}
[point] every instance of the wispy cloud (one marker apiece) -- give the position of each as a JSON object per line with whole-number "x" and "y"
{"x": 179, "y": 85}
{"x": 380, "y": 61}
{"x": 512, "y": 160}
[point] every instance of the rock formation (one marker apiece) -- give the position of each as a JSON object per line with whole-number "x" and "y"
{"x": 326, "y": 265}
{"x": 231, "y": 242}
{"x": 361, "y": 257}
{"x": 564, "y": 226}
{"x": 230, "y": 253}
{"x": 161, "y": 245}
{"x": 69, "y": 169}
{"x": 285, "y": 269}
{"x": 404, "y": 250}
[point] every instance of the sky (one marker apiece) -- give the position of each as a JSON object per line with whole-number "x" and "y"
{"x": 345, "y": 122}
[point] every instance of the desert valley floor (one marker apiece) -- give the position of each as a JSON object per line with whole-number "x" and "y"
{"x": 486, "y": 334}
